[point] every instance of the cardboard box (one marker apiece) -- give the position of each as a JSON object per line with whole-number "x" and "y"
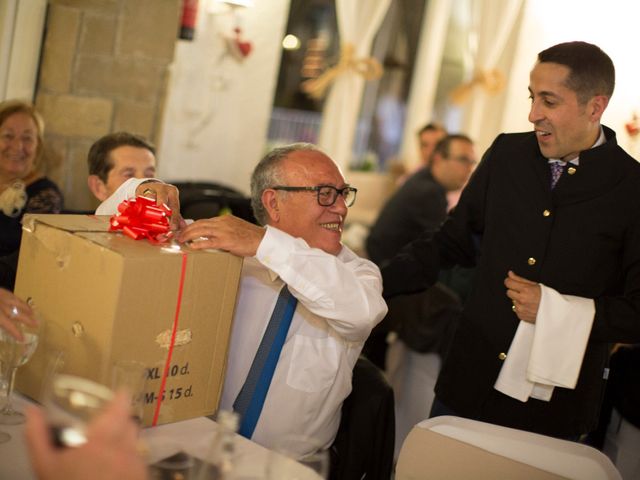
{"x": 105, "y": 298}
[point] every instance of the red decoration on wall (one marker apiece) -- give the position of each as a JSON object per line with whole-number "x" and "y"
{"x": 237, "y": 47}
{"x": 633, "y": 127}
{"x": 188, "y": 20}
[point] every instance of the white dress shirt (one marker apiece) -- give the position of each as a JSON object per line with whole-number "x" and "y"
{"x": 339, "y": 302}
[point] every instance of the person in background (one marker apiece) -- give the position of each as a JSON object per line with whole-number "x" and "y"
{"x": 23, "y": 189}
{"x": 421, "y": 202}
{"x": 428, "y": 138}
{"x": 558, "y": 260}
{"x": 122, "y": 165}
{"x": 301, "y": 198}
{"x": 116, "y": 158}
{"x": 418, "y": 204}
{"x": 423, "y": 322}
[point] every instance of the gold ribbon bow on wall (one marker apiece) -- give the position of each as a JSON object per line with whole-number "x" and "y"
{"x": 368, "y": 67}
{"x": 492, "y": 81}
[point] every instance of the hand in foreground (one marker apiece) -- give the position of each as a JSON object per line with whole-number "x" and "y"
{"x": 110, "y": 452}
{"x": 14, "y": 311}
{"x": 167, "y": 194}
{"x": 525, "y": 296}
{"x": 226, "y": 232}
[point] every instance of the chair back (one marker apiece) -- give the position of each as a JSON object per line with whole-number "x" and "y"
{"x": 363, "y": 447}
{"x": 206, "y": 199}
{"x": 461, "y": 448}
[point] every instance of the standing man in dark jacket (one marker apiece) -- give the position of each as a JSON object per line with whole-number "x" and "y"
{"x": 555, "y": 217}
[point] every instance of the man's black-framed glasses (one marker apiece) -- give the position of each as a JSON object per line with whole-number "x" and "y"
{"x": 326, "y": 194}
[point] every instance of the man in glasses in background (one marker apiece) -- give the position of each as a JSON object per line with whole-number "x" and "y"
{"x": 300, "y": 197}
{"x": 421, "y": 202}
{"x": 424, "y": 322}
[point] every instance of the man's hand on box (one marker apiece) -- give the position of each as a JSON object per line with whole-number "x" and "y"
{"x": 226, "y": 232}
{"x": 167, "y": 194}
{"x": 12, "y": 312}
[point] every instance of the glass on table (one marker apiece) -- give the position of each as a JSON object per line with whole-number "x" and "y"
{"x": 179, "y": 465}
{"x": 288, "y": 448}
{"x": 131, "y": 376}
{"x": 70, "y": 402}
{"x": 13, "y": 354}
{"x": 4, "y": 386}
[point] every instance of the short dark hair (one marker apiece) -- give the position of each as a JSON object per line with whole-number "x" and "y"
{"x": 443, "y": 146}
{"x": 268, "y": 174}
{"x": 99, "y": 158}
{"x": 591, "y": 70}
{"x": 431, "y": 126}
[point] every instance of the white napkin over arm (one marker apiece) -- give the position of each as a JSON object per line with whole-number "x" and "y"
{"x": 549, "y": 353}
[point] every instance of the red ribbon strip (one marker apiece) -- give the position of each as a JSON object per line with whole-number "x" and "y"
{"x": 141, "y": 218}
{"x": 167, "y": 364}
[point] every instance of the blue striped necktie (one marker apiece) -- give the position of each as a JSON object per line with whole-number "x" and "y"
{"x": 250, "y": 400}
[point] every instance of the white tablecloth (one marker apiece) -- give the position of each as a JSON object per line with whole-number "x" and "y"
{"x": 193, "y": 436}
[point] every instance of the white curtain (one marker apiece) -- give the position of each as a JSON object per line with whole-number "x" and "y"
{"x": 424, "y": 83}
{"x": 495, "y": 21}
{"x": 358, "y": 22}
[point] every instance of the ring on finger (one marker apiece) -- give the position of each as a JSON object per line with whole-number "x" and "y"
{"x": 14, "y": 312}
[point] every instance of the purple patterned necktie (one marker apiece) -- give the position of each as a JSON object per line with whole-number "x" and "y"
{"x": 556, "y": 170}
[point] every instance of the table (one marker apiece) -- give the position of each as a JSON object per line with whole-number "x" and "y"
{"x": 192, "y": 436}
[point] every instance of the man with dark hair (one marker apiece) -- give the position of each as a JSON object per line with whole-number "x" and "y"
{"x": 421, "y": 202}
{"x": 121, "y": 166}
{"x": 117, "y": 157}
{"x": 423, "y": 322}
{"x": 551, "y": 218}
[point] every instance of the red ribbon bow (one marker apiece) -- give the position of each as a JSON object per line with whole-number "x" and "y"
{"x": 141, "y": 218}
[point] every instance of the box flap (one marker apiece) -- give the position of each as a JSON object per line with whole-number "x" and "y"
{"x": 70, "y": 223}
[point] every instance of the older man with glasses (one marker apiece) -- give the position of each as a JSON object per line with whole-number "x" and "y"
{"x": 326, "y": 297}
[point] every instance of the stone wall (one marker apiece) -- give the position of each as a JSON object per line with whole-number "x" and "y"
{"x": 104, "y": 68}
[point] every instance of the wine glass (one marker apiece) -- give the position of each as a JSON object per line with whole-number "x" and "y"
{"x": 70, "y": 403}
{"x": 131, "y": 376}
{"x": 13, "y": 354}
{"x": 4, "y": 385}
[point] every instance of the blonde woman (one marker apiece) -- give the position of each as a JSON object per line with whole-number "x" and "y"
{"x": 23, "y": 189}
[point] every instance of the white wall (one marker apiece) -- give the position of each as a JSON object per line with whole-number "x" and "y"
{"x": 612, "y": 25}
{"x": 217, "y": 111}
{"x": 216, "y": 132}
{"x": 21, "y": 29}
